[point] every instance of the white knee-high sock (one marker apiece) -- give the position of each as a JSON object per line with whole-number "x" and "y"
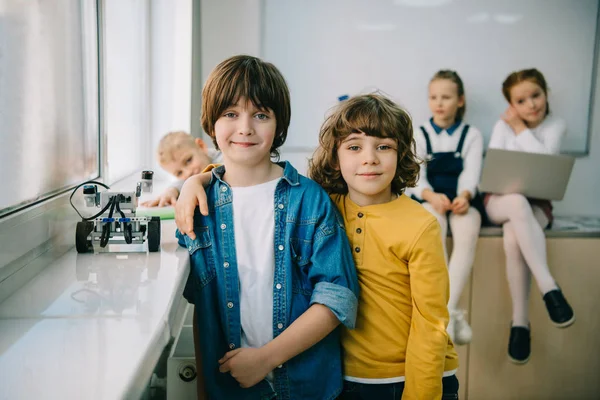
{"x": 515, "y": 208}
{"x": 465, "y": 232}
{"x": 443, "y": 225}
{"x": 518, "y": 276}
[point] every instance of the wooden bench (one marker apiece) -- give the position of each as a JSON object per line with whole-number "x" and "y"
{"x": 565, "y": 363}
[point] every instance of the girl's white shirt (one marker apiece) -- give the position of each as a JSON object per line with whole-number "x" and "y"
{"x": 544, "y": 138}
{"x": 472, "y": 153}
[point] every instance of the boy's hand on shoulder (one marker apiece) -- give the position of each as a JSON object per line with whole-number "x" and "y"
{"x": 247, "y": 365}
{"x": 168, "y": 197}
{"x": 192, "y": 195}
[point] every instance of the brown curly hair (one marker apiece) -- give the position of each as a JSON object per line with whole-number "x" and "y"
{"x": 375, "y": 115}
{"x": 256, "y": 80}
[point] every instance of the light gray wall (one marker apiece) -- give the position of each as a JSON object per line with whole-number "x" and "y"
{"x": 240, "y": 32}
{"x": 583, "y": 192}
{"x": 228, "y": 28}
{"x": 353, "y": 46}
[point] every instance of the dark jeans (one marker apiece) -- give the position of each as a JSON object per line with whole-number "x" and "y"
{"x": 392, "y": 391}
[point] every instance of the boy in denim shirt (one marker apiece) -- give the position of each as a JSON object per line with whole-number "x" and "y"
{"x": 272, "y": 274}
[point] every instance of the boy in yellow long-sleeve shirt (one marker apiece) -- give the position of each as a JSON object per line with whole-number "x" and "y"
{"x": 399, "y": 348}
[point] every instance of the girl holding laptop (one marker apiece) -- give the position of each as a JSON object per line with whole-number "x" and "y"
{"x": 528, "y": 126}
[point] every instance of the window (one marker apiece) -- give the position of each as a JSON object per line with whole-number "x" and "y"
{"x": 49, "y": 138}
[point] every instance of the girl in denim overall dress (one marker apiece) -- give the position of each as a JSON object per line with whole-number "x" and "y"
{"x": 527, "y": 125}
{"x": 452, "y": 153}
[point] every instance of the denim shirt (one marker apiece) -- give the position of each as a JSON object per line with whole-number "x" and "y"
{"x": 313, "y": 264}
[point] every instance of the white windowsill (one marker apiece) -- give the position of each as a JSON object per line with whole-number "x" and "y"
{"x": 92, "y": 325}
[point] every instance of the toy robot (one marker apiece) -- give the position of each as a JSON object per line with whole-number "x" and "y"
{"x": 117, "y": 222}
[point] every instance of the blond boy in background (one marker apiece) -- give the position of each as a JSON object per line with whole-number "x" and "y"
{"x": 181, "y": 155}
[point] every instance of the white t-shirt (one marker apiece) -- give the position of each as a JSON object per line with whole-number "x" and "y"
{"x": 254, "y": 228}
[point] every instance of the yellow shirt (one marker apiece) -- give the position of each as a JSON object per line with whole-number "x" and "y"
{"x": 404, "y": 289}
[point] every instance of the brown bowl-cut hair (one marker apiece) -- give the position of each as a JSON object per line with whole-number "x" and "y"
{"x": 253, "y": 79}
{"x": 375, "y": 115}
{"x": 532, "y": 75}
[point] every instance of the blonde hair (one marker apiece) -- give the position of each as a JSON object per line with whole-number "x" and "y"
{"x": 375, "y": 115}
{"x": 258, "y": 81}
{"x": 171, "y": 142}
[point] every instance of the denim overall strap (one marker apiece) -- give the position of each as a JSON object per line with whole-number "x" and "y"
{"x": 427, "y": 142}
{"x": 444, "y": 168}
{"x": 463, "y": 136}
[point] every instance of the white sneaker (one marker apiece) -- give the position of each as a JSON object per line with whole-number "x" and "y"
{"x": 458, "y": 328}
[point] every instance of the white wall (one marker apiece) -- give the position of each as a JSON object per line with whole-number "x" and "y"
{"x": 354, "y": 46}
{"x": 583, "y": 192}
{"x": 240, "y": 32}
{"x": 228, "y": 28}
{"x": 170, "y": 70}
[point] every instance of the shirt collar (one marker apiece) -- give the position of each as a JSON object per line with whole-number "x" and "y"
{"x": 450, "y": 129}
{"x": 290, "y": 174}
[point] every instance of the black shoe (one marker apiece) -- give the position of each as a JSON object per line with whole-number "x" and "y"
{"x": 559, "y": 310}
{"x": 519, "y": 345}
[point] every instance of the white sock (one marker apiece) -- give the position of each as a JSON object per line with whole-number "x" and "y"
{"x": 526, "y": 225}
{"x": 465, "y": 232}
{"x": 518, "y": 276}
{"x": 443, "y": 221}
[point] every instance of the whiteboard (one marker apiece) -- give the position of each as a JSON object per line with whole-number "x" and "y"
{"x": 328, "y": 48}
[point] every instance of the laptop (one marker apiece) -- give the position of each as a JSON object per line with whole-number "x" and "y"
{"x": 539, "y": 176}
